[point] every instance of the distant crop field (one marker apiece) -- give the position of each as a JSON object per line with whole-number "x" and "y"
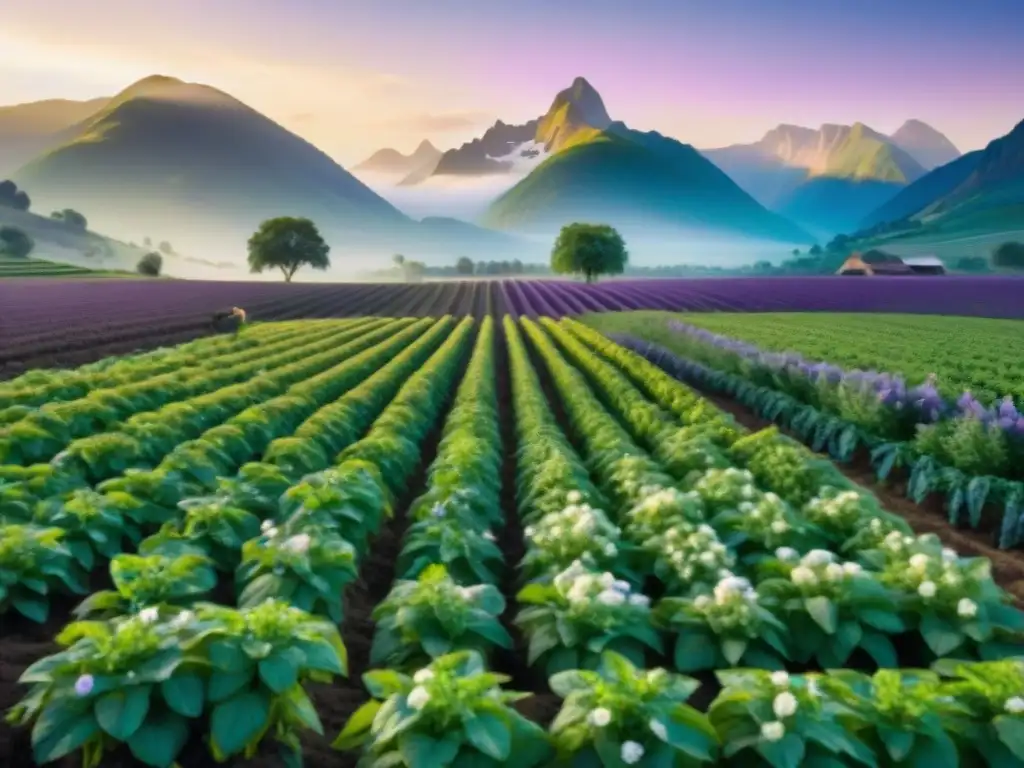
{"x": 981, "y": 355}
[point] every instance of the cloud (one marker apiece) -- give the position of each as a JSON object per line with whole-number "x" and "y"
{"x": 439, "y": 122}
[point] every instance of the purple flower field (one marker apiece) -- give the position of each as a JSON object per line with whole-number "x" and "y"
{"x": 47, "y": 322}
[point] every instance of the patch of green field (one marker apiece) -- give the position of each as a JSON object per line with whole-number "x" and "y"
{"x": 982, "y": 355}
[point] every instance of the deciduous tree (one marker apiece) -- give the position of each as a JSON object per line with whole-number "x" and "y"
{"x": 288, "y": 243}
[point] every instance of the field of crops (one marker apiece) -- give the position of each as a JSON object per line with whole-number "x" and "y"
{"x": 461, "y": 542}
{"x": 47, "y": 323}
{"x": 11, "y": 267}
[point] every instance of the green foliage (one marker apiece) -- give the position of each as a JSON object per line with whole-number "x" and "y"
{"x": 464, "y": 266}
{"x": 589, "y": 250}
{"x": 35, "y": 564}
{"x": 450, "y": 713}
{"x": 1009, "y": 255}
{"x": 151, "y": 264}
{"x": 619, "y": 714}
{"x": 12, "y": 197}
{"x": 72, "y": 218}
{"x": 287, "y": 243}
{"x": 15, "y": 242}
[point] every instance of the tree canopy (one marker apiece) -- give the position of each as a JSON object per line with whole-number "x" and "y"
{"x": 287, "y": 243}
{"x": 589, "y": 250}
{"x": 465, "y": 265}
{"x": 1009, "y": 256}
{"x": 15, "y": 242}
{"x": 12, "y": 197}
{"x": 151, "y": 264}
{"x": 71, "y": 217}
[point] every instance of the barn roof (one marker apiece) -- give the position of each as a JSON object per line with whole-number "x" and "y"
{"x": 923, "y": 261}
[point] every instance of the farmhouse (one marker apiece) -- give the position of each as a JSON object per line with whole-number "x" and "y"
{"x": 877, "y": 262}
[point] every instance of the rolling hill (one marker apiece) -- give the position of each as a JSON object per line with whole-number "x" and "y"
{"x": 29, "y": 129}
{"x": 188, "y": 163}
{"x": 987, "y": 185}
{"x": 635, "y": 181}
{"x": 830, "y": 178}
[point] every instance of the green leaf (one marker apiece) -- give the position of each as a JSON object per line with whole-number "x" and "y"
{"x": 733, "y": 650}
{"x": 239, "y": 721}
{"x": 422, "y": 751}
{"x": 695, "y": 651}
{"x": 1011, "y": 733}
{"x": 357, "y": 728}
{"x": 897, "y": 743}
{"x": 823, "y": 611}
{"x": 787, "y": 752}
{"x": 34, "y": 608}
{"x": 62, "y": 728}
{"x": 941, "y": 637}
{"x": 279, "y": 671}
{"x": 490, "y": 735}
{"x": 184, "y": 694}
{"x": 158, "y": 741}
{"x": 120, "y": 713}
{"x": 224, "y": 685}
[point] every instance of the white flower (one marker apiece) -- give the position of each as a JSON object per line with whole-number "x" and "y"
{"x": 529, "y": 531}
{"x": 606, "y": 580}
{"x": 641, "y": 601}
{"x": 708, "y": 559}
{"x": 611, "y": 597}
{"x": 658, "y": 729}
{"x": 747, "y": 492}
{"x": 949, "y": 555}
{"x": 489, "y": 536}
{"x": 1014, "y": 706}
{"x": 966, "y": 608}
{"x": 803, "y": 575}
{"x": 418, "y": 697}
{"x": 817, "y": 557}
{"x": 701, "y": 602}
{"x": 574, "y": 497}
{"x": 780, "y": 679}
{"x": 919, "y": 562}
{"x": 786, "y": 553}
{"x": 927, "y": 589}
{"x": 85, "y": 683}
{"x": 183, "y": 619}
{"x": 149, "y": 615}
{"x": 780, "y": 526}
{"x": 784, "y": 705}
{"x": 423, "y": 676}
{"x": 834, "y": 572}
{"x": 271, "y": 532}
{"x": 610, "y": 550}
{"x": 622, "y": 585}
{"x": 852, "y": 569}
{"x": 599, "y": 717}
{"x": 266, "y": 525}
{"x": 705, "y": 529}
{"x": 632, "y": 752}
{"x": 773, "y": 731}
{"x": 299, "y": 543}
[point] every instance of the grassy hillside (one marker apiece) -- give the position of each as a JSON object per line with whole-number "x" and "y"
{"x": 629, "y": 178}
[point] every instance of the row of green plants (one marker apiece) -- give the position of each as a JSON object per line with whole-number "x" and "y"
{"x": 972, "y": 459}
{"x": 155, "y": 664}
{"x": 37, "y": 387}
{"x": 730, "y": 598}
{"x": 46, "y": 432}
{"x": 74, "y": 530}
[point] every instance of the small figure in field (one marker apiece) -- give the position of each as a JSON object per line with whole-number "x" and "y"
{"x": 227, "y": 319}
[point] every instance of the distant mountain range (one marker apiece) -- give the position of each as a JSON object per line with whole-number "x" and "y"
{"x": 982, "y": 190}
{"x": 390, "y": 161}
{"x": 829, "y": 179}
{"x": 187, "y": 162}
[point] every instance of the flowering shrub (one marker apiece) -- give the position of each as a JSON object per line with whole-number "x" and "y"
{"x": 208, "y": 527}
{"x": 34, "y": 563}
{"x": 659, "y": 512}
{"x": 571, "y": 620}
{"x": 620, "y": 714}
{"x": 578, "y": 532}
{"x": 452, "y": 712}
{"x": 755, "y": 527}
{"x": 787, "y": 720}
{"x": 841, "y": 514}
{"x": 729, "y": 628}
{"x": 831, "y": 607}
{"x": 307, "y": 569}
{"x": 993, "y": 696}
{"x": 434, "y": 615}
{"x": 690, "y": 558}
{"x": 725, "y": 489}
{"x": 147, "y": 580}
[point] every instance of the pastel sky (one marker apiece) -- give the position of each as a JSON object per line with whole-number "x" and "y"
{"x": 355, "y": 75}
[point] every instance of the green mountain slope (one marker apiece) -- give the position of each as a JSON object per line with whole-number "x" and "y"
{"x": 865, "y": 155}
{"x": 987, "y": 185}
{"x": 628, "y": 178}
{"x": 28, "y": 129}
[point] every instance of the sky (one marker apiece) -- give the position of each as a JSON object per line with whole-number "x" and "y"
{"x": 355, "y": 75}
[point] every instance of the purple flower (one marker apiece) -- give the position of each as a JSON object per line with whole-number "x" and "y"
{"x": 1007, "y": 410}
{"x": 84, "y": 685}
